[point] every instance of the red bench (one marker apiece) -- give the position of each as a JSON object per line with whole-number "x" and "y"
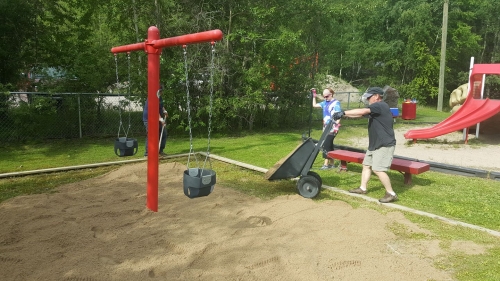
{"x": 406, "y": 167}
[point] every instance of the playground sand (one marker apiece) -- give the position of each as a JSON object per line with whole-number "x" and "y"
{"x": 99, "y": 229}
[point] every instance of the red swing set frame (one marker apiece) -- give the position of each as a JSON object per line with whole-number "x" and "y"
{"x": 153, "y": 46}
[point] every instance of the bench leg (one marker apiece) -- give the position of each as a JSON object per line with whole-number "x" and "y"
{"x": 407, "y": 178}
{"x": 343, "y": 166}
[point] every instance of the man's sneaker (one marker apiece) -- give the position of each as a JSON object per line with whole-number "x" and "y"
{"x": 331, "y": 167}
{"x": 325, "y": 167}
{"x": 163, "y": 154}
{"x": 388, "y": 198}
{"x": 358, "y": 191}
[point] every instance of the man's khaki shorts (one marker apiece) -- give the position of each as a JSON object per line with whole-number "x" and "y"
{"x": 380, "y": 159}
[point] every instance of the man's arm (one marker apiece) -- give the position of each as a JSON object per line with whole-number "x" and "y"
{"x": 357, "y": 112}
{"x": 353, "y": 113}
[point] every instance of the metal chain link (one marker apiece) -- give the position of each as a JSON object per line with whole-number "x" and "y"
{"x": 119, "y": 107}
{"x": 121, "y": 101}
{"x": 128, "y": 92}
{"x": 188, "y": 108}
{"x": 116, "y": 69}
{"x": 212, "y": 67}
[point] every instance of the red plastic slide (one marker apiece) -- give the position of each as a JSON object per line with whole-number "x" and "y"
{"x": 473, "y": 111}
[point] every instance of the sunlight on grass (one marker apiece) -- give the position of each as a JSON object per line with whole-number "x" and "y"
{"x": 471, "y": 200}
{"x": 45, "y": 183}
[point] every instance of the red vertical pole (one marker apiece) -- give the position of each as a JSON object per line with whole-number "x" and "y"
{"x": 153, "y": 47}
{"x": 153, "y": 116}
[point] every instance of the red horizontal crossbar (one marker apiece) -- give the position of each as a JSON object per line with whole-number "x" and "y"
{"x": 194, "y": 38}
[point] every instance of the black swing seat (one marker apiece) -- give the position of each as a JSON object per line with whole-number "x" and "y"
{"x": 126, "y": 146}
{"x": 198, "y": 182}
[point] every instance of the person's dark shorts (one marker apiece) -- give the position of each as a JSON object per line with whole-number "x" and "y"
{"x": 328, "y": 145}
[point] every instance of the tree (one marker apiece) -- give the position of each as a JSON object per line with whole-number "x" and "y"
{"x": 18, "y": 22}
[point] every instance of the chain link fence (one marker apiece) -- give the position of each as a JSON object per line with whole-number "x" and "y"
{"x": 349, "y": 100}
{"x": 42, "y": 116}
{"x": 35, "y": 115}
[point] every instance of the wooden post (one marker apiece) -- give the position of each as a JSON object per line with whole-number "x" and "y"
{"x": 442, "y": 64}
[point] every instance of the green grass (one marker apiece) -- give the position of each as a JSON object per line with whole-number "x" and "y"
{"x": 45, "y": 183}
{"x": 470, "y": 200}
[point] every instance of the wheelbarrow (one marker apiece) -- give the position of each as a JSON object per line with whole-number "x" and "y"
{"x": 298, "y": 164}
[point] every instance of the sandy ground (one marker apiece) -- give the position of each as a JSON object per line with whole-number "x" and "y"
{"x": 99, "y": 229}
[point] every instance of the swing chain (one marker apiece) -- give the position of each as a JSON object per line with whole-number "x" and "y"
{"x": 211, "y": 82}
{"x": 120, "y": 101}
{"x": 188, "y": 107}
{"x": 116, "y": 67}
{"x": 129, "y": 90}
{"x": 119, "y": 106}
{"x": 124, "y": 146}
{"x": 212, "y": 67}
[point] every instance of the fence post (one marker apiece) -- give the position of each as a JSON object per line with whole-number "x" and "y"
{"x": 79, "y": 116}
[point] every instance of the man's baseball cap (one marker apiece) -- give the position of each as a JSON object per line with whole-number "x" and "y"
{"x": 372, "y": 91}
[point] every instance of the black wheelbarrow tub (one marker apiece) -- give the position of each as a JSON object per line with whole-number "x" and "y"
{"x": 298, "y": 164}
{"x": 294, "y": 163}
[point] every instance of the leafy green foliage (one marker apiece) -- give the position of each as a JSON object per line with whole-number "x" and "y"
{"x": 422, "y": 87}
{"x": 16, "y": 32}
{"x": 269, "y": 57}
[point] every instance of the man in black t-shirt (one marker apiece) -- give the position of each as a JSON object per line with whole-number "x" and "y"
{"x": 381, "y": 141}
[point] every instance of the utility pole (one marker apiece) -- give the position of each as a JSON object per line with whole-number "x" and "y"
{"x": 442, "y": 65}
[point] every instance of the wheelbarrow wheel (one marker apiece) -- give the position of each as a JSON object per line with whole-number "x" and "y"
{"x": 308, "y": 186}
{"x": 316, "y": 176}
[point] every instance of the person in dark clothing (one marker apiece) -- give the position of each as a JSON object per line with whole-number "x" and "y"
{"x": 163, "y": 114}
{"x": 381, "y": 141}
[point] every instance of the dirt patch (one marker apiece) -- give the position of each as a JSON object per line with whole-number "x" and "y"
{"x": 99, "y": 229}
